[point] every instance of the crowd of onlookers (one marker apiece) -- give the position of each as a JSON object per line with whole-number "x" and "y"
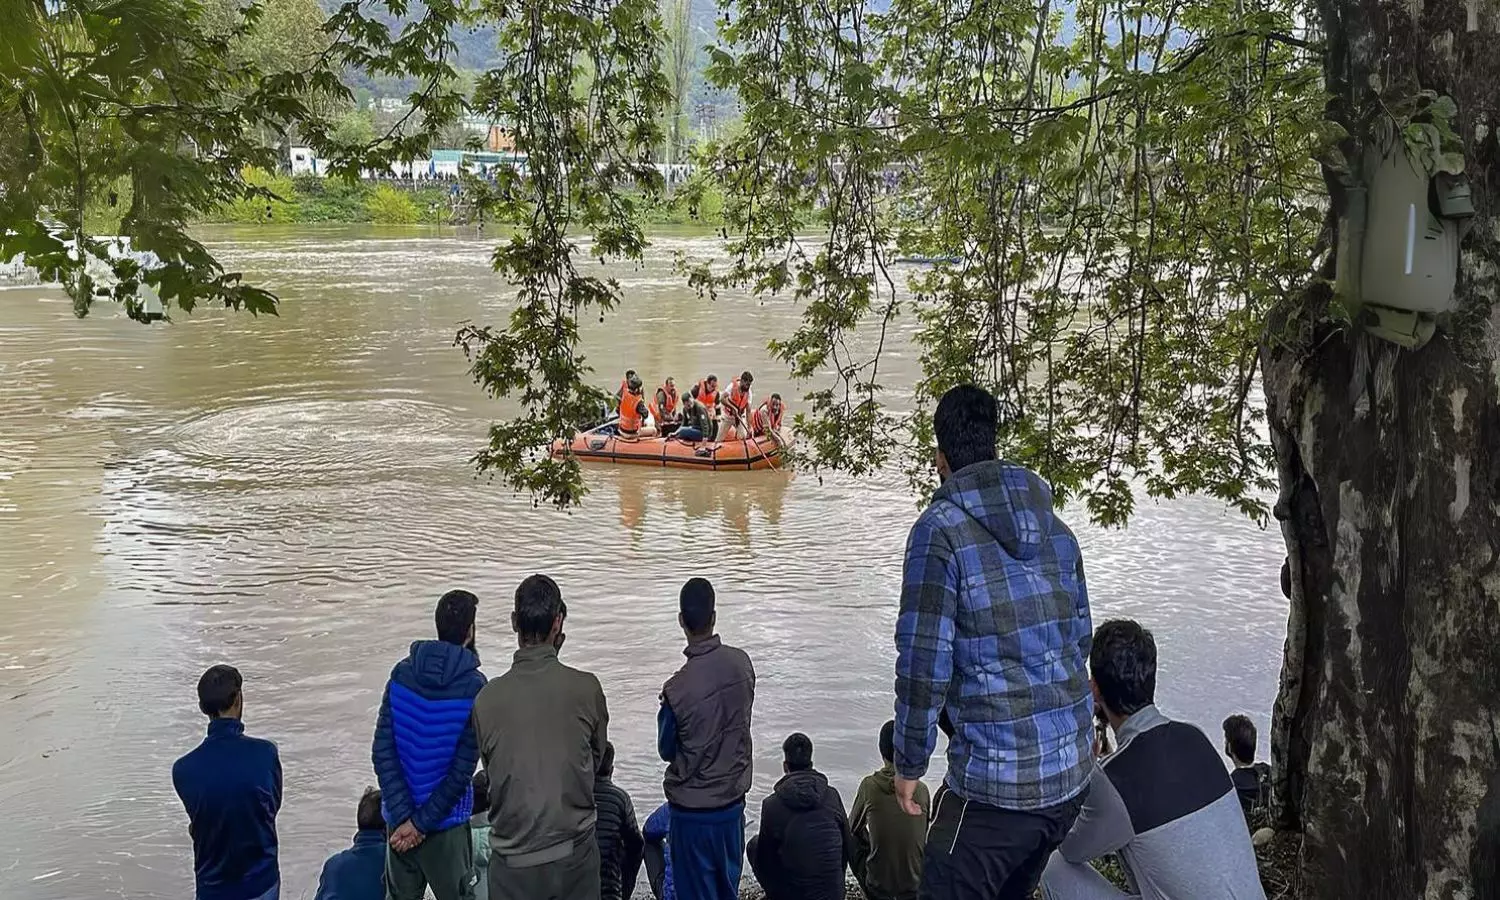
{"x": 1057, "y": 755}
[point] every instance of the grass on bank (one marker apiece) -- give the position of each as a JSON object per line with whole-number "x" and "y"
{"x": 309, "y": 199}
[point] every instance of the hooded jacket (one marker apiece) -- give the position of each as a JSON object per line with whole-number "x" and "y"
{"x": 803, "y": 846}
{"x": 619, "y": 837}
{"x": 994, "y": 630}
{"x": 425, "y": 750}
{"x": 888, "y": 843}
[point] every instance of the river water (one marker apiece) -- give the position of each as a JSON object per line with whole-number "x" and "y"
{"x": 292, "y": 494}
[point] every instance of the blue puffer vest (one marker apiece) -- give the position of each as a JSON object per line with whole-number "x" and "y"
{"x": 431, "y": 695}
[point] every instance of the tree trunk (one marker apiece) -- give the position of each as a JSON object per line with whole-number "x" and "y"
{"x": 1385, "y": 737}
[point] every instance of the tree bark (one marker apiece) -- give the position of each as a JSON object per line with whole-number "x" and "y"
{"x": 1385, "y": 736}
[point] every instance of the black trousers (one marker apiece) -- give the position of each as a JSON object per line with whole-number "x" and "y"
{"x": 980, "y": 852}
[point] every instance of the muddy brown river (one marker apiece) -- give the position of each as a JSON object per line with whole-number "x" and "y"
{"x": 292, "y": 494}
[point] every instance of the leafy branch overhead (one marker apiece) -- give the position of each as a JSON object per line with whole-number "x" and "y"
{"x": 147, "y": 113}
{"x": 1117, "y": 195}
{"x": 582, "y": 88}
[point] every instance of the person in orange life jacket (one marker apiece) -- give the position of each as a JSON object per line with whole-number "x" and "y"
{"x": 624, "y": 383}
{"x": 703, "y": 411}
{"x": 767, "y": 419}
{"x": 737, "y": 408}
{"x": 666, "y": 407}
{"x": 633, "y": 412}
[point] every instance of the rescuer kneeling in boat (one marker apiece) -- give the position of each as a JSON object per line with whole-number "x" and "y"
{"x": 633, "y": 411}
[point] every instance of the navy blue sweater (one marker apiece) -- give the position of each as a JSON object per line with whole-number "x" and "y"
{"x": 231, "y": 788}
{"x": 425, "y": 750}
{"x": 357, "y": 873}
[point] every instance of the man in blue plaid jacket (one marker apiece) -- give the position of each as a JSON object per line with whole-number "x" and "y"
{"x": 993, "y": 638}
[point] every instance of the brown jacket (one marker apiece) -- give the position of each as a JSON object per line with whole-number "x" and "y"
{"x": 709, "y": 700}
{"x": 541, "y": 728}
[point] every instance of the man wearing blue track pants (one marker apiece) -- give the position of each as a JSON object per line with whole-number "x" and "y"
{"x": 425, "y": 753}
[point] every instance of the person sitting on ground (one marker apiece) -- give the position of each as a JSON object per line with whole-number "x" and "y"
{"x": 803, "y": 846}
{"x": 767, "y": 419}
{"x": 703, "y": 733}
{"x": 231, "y": 788}
{"x": 1252, "y": 780}
{"x": 424, "y": 755}
{"x": 666, "y": 407}
{"x": 706, "y": 393}
{"x": 542, "y": 730}
{"x": 655, "y": 833}
{"x": 737, "y": 405}
{"x": 479, "y": 831}
{"x": 359, "y": 872}
{"x": 1162, "y": 801}
{"x": 888, "y": 843}
{"x": 620, "y": 845}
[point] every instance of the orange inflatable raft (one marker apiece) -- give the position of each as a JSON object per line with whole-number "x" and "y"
{"x": 603, "y": 445}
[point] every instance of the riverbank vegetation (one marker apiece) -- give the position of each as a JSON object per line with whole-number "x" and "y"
{"x": 1142, "y": 206}
{"x": 311, "y": 199}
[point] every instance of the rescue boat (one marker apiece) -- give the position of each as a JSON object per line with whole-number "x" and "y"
{"x": 604, "y": 445}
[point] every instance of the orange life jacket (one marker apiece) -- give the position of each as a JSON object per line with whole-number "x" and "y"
{"x": 630, "y": 412}
{"x": 662, "y": 414}
{"x": 707, "y": 397}
{"x": 772, "y": 419}
{"x": 738, "y": 399}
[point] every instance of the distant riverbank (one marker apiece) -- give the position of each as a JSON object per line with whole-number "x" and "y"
{"x": 312, "y": 199}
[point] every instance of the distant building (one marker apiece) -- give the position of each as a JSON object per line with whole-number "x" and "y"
{"x": 304, "y": 162}
{"x": 500, "y": 140}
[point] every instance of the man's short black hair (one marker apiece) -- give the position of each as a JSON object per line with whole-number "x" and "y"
{"x": 481, "y": 784}
{"x": 746, "y": 377}
{"x": 696, "y": 603}
{"x": 219, "y": 687}
{"x": 539, "y": 603}
{"x": 888, "y": 741}
{"x": 711, "y": 377}
{"x": 1239, "y": 736}
{"x": 966, "y": 424}
{"x": 797, "y": 751}
{"x": 369, "y": 816}
{"x": 775, "y": 396}
{"x": 606, "y": 765}
{"x": 1123, "y": 663}
{"x": 455, "y": 616}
